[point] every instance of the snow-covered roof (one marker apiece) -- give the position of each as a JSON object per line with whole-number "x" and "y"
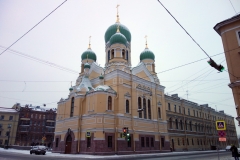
{"x": 85, "y": 84}
{"x": 5, "y": 109}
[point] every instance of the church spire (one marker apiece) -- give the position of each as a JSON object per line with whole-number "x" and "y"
{"x": 117, "y": 14}
{"x": 146, "y": 42}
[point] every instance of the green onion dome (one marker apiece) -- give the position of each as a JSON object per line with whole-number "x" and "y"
{"x": 89, "y": 54}
{"x": 112, "y": 30}
{"x": 118, "y": 38}
{"x": 147, "y": 54}
{"x": 101, "y": 77}
{"x": 70, "y": 89}
{"x": 87, "y": 65}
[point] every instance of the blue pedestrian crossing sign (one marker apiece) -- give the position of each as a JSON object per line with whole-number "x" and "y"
{"x": 88, "y": 134}
{"x": 220, "y": 125}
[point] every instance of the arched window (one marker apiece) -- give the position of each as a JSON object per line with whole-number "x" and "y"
{"x": 127, "y": 55}
{"x": 159, "y": 112}
{"x": 187, "y": 142}
{"x": 190, "y": 124}
{"x": 108, "y": 54}
{"x": 127, "y": 106}
{"x": 139, "y": 107}
{"x": 123, "y": 54}
{"x": 149, "y": 110}
{"x": 176, "y": 121}
{"x": 109, "y": 103}
{"x": 144, "y": 108}
{"x": 72, "y": 107}
{"x": 181, "y": 125}
{"x": 186, "y": 127}
{"x": 112, "y": 53}
{"x": 170, "y": 123}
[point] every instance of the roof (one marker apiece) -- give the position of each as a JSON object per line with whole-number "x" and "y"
{"x": 225, "y": 22}
{"x": 7, "y": 110}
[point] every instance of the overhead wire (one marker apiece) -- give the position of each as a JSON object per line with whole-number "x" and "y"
{"x": 33, "y": 27}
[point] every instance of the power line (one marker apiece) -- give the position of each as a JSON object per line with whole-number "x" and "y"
{"x": 33, "y": 27}
{"x": 184, "y": 29}
{"x": 232, "y": 6}
{"x": 40, "y": 60}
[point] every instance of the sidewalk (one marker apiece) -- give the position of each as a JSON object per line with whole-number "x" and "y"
{"x": 118, "y": 156}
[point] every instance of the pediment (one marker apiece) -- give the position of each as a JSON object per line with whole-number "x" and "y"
{"x": 142, "y": 72}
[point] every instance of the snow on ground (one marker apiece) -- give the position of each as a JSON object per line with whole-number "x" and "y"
{"x": 99, "y": 157}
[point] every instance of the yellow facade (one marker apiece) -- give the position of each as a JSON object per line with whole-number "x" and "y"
{"x": 193, "y": 127}
{"x": 229, "y": 30}
{"x": 8, "y": 122}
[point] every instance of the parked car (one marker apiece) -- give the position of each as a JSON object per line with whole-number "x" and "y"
{"x": 228, "y": 148}
{"x": 238, "y": 150}
{"x": 38, "y": 150}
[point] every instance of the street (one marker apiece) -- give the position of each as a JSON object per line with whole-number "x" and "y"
{"x": 24, "y": 155}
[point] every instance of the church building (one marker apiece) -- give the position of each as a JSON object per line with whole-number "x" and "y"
{"x": 105, "y": 100}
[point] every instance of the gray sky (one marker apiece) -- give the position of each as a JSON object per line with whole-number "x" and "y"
{"x": 63, "y": 37}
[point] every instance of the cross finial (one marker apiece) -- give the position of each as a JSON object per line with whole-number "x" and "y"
{"x": 117, "y": 13}
{"x": 146, "y": 41}
{"x": 89, "y": 44}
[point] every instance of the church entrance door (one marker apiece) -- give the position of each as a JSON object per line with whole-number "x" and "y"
{"x": 68, "y": 144}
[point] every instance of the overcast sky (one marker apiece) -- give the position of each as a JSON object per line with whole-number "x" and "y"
{"x": 63, "y": 36}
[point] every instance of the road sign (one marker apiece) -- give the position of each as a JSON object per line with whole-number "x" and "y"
{"x": 222, "y": 139}
{"x": 88, "y": 134}
{"x": 221, "y": 134}
{"x": 220, "y": 125}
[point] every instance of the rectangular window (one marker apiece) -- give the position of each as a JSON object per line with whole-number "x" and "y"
{"x": 169, "y": 107}
{"x": 88, "y": 142}
{"x": 197, "y": 113}
{"x": 200, "y": 114}
{"x": 194, "y": 113}
{"x": 175, "y": 108}
{"x": 2, "y": 117}
{"x": 162, "y": 142}
{"x": 110, "y": 141}
{"x": 188, "y": 111}
{"x": 152, "y": 142}
{"x": 238, "y": 37}
{"x": 180, "y": 109}
{"x": 142, "y": 142}
{"x": 147, "y": 141}
{"x": 57, "y": 139}
{"x": 10, "y": 118}
{"x": 159, "y": 112}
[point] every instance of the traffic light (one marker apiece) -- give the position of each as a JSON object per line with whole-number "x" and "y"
{"x": 220, "y": 68}
{"x": 124, "y": 131}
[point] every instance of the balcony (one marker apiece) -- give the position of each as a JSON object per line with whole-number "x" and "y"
{"x": 24, "y": 130}
{"x": 24, "y": 118}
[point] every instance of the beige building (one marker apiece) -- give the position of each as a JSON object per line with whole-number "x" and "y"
{"x": 104, "y": 100}
{"x": 8, "y": 123}
{"x": 229, "y": 30}
{"x": 192, "y": 126}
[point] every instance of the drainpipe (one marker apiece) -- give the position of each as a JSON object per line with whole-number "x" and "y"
{"x": 132, "y": 113}
{"x": 115, "y": 126}
{"x": 79, "y": 125}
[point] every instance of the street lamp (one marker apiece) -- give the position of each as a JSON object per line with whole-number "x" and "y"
{"x": 9, "y": 127}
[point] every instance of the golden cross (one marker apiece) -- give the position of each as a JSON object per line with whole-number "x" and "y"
{"x": 117, "y": 13}
{"x": 117, "y": 8}
{"x": 146, "y": 41}
{"x": 89, "y": 45}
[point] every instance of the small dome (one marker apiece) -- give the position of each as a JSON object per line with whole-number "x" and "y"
{"x": 101, "y": 77}
{"x": 87, "y": 65}
{"x": 118, "y": 38}
{"x": 70, "y": 89}
{"x": 89, "y": 54}
{"x": 112, "y": 30}
{"x": 147, "y": 54}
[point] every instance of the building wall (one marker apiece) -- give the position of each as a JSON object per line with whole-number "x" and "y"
{"x": 189, "y": 131}
{"x": 229, "y": 30}
{"x": 5, "y": 122}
